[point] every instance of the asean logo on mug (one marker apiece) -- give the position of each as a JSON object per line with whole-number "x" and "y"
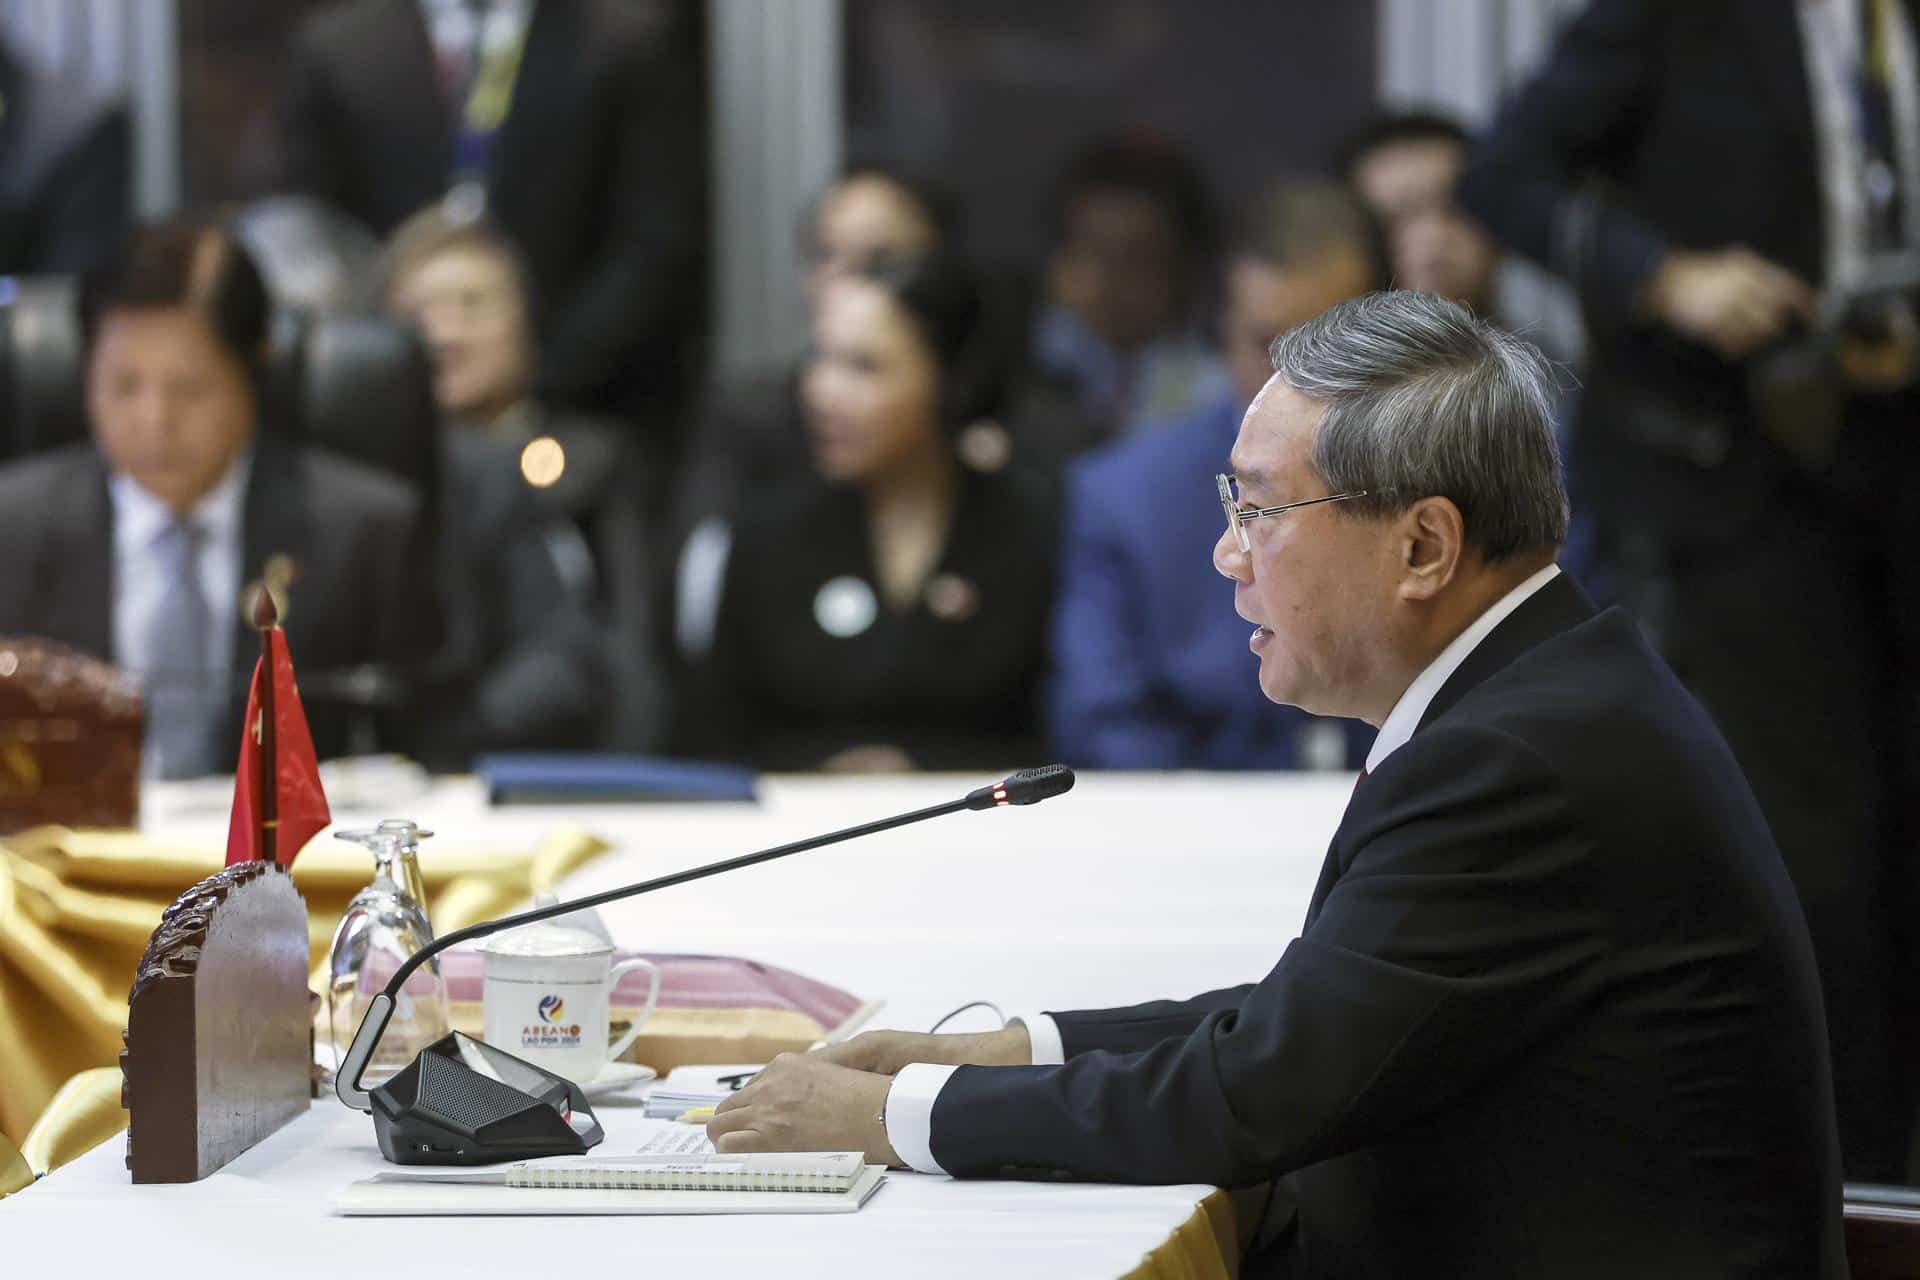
{"x": 552, "y": 1008}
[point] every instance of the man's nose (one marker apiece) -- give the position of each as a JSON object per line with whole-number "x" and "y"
{"x": 1230, "y": 560}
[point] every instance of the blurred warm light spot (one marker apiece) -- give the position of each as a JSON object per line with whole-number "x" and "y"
{"x": 543, "y": 462}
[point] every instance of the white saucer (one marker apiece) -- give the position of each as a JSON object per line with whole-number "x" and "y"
{"x": 617, "y": 1077}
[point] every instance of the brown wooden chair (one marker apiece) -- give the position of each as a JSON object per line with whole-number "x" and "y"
{"x": 1883, "y": 1231}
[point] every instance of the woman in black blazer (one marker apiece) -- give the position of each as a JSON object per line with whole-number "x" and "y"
{"x": 887, "y": 611}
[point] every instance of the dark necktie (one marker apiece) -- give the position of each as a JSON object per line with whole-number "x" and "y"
{"x": 181, "y": 688}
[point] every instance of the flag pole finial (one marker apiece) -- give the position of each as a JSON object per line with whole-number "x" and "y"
{"x": 261, "y": 610}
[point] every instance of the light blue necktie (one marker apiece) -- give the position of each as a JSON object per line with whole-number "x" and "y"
{"x": 182, "y": 688}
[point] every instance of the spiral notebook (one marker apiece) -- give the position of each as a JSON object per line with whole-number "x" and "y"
{"x": 816, "y": 1182}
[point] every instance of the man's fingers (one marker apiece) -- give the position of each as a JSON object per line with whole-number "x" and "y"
{"x": 1788, "y": 290}
{"x": 733, "y": 1101}
{"x": 728, "y": 1120}
{"x": 740, "y": 1140}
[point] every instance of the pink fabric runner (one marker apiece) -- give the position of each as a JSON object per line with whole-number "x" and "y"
{"x": 694, "y": 982}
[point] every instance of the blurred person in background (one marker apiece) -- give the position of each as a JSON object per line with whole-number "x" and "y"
{"x": 575, "y": 126}
{"x": 1149, "y": 660}
{"x": 315, "y": 259}
{"x": 139, "y": 546}
{"x": 1710, "y": 177}
{"x": 1405, "y": 166}
{"x": 887, "y": 611}
{"x": 751, "y": 439}
{"x": 1116, "y": 330}
{"x": 66, "y": 171}
{"x": 531, "y": 495}
{"x": 751, "y": 436}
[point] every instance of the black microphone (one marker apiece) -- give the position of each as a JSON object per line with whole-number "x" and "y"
{"x": 1029, "y": 786}
{"x": 462, "y": 1101}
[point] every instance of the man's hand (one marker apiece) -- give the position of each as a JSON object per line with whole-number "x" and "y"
{"x": 801, "y": 1102}
{"x": 1733, "y": 300}
{"x": 885, "y": 1052}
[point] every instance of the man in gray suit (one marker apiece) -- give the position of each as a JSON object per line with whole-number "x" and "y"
{"x": 139, "y": 546}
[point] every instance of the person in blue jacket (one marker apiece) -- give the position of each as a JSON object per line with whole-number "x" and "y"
{"x": 1148, "y": 660}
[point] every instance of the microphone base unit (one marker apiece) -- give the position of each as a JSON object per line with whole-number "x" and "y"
{"x": 462, "y": 1101}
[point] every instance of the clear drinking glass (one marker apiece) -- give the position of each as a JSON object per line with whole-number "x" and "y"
{"x": 384, "y": 924}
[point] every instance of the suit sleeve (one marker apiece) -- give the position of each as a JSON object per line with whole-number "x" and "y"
{"x": 547, "y": 687}
{"x": 1534, "y": 179}
{"x": 309, "y": 127}
{"x": 1100, "y": 703}
{"x": 1141, "y": 1026}
{"x": 87, "y": 203}
{"x": 625, "y": 306}
{"x": 397, "y": 558}
{"x": 714, "y": 694}
{"x": 1460, "y": 931}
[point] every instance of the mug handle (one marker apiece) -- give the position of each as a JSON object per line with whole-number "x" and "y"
{"x": 653, "y": 997}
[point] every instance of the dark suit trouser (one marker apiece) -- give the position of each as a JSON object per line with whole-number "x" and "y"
{"x": 1802, "y": 637}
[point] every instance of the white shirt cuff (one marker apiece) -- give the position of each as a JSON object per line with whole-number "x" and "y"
{"x": 909, "y": 1113}
{"x": 1044, "y": 1033}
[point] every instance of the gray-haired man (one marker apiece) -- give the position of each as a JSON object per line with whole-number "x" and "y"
{"x": 1553, "y": 1010}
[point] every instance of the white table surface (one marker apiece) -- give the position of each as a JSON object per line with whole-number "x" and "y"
{"x": 1130, "y": 887}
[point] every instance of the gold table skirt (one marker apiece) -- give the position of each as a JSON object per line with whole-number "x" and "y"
{"x": 76, "y": 909}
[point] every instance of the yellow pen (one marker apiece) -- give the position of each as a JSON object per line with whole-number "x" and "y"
{"x": 698, "y": 1115}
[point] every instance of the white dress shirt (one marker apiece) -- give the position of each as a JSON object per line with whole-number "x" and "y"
{"x": 1830, "y": 38}
{"x": 450, "y": 27}
{"x": 139, "y": 580}
{"x": 909, "y": 1107}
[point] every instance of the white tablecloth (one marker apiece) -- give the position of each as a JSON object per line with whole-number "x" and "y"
{"x": 267, "y": 1216}
{"x": 1128, "y": 888}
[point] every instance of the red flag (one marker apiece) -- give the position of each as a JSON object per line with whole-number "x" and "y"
{"x": 299, "y": 805}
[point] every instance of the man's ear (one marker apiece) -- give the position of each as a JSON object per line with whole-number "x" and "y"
{"x": 1432, "y": 541}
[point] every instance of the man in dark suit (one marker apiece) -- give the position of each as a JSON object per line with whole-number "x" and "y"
{"x": 1553, "y": 1011}
{"x": 573, "y": 122}
{"x": 139, "y": 547}
{"x": 1696, "y": 172}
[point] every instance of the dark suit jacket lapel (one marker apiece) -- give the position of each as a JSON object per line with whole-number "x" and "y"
{"x": 1556, "y": 607}
{"x": 76, "y": 567}
{"x": 1779, "y": 67}
{"x": 404, "y": 72}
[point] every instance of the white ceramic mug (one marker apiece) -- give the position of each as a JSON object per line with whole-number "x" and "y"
{"x": 547, "y": 990}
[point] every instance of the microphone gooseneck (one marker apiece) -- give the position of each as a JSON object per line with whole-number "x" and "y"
{"x": 1029, "y": 786}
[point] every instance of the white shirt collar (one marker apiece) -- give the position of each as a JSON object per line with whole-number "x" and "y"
{"x": 139, "y": 517}
{"x": 1406, "y": 714}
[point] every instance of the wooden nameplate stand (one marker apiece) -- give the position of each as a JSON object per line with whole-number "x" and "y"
{"x": 69, "y": 739}
{"x": 219, "y": 1033}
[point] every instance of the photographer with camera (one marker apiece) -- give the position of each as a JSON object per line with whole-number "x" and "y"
{"x": 1731, "y": 188}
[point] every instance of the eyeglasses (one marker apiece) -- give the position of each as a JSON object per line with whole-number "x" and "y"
{"x": 1238, "y": 517}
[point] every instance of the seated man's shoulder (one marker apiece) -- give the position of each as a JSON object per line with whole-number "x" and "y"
{"x": 344, "y": 28}
{"x": 342, "y": 488}
{"x": 1593, "y": 727}
{"x": 1194, "y": 441}
{"x": 29, "y": 481}
{"x": 1171, "y": 465}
